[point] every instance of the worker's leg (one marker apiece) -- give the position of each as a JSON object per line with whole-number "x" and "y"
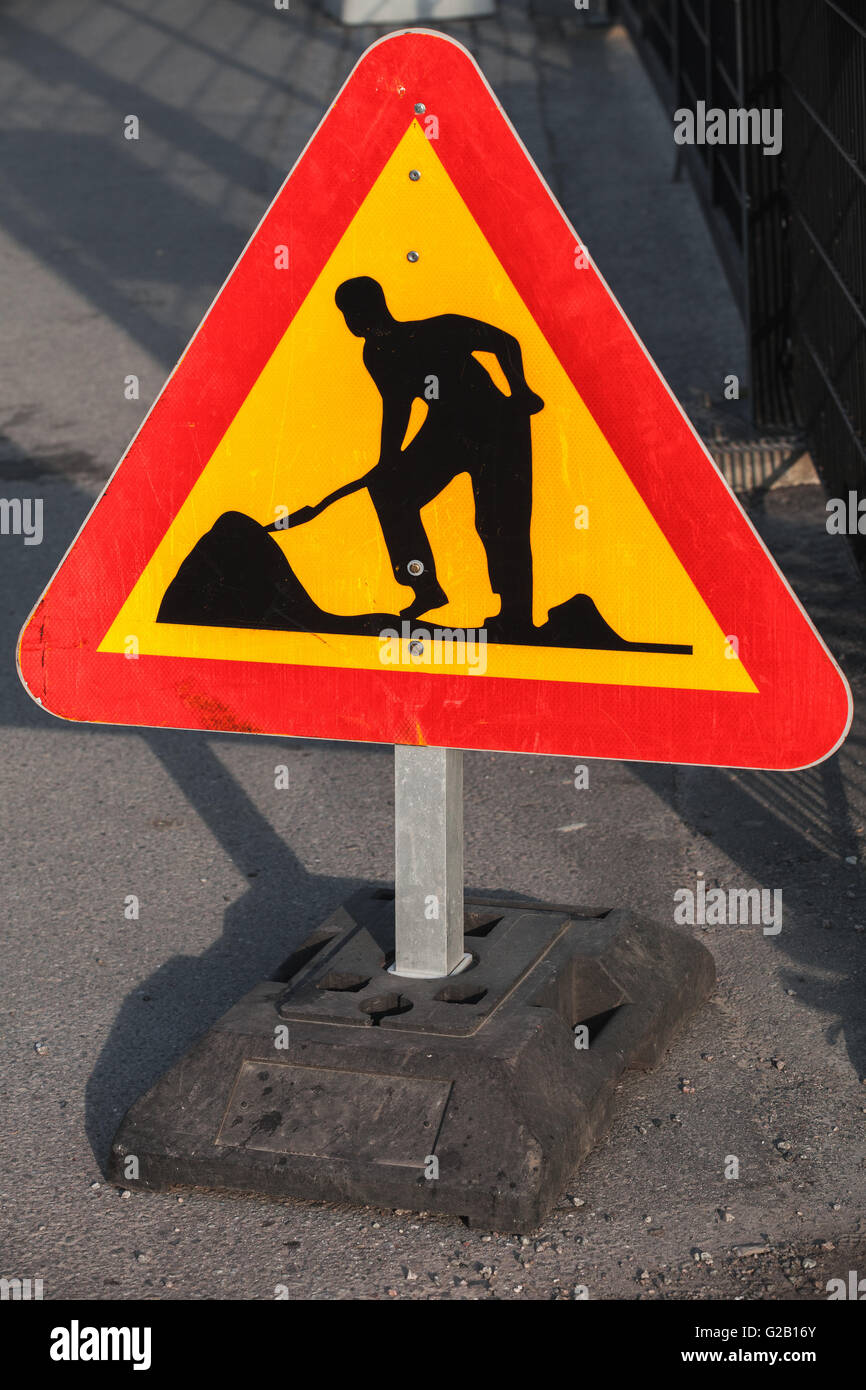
{"x": 503, "y": 510}
{"x": 408, "y": 544}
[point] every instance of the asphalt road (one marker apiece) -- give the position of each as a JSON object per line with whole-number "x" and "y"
{"x": 110, "y": 251}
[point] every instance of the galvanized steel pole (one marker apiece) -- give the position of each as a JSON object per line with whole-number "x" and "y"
{"x": 428, "y": 816}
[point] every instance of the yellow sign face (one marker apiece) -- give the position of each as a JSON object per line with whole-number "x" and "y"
{"x": 312, "y": 423}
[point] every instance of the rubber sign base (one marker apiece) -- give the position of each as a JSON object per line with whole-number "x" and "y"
{"x": 475, "y": 1095}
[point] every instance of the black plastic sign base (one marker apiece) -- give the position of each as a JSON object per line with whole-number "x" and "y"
{"x": 475, "y": 1095}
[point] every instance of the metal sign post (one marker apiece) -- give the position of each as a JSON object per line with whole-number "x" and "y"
{"x": 428, "y": 826}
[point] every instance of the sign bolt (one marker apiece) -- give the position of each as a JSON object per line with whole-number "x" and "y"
{"x": 420, "y": 108}
{"x": 412, "y": 256}
{"x": 415, "y": 567}
{"x": 414, "y": 175}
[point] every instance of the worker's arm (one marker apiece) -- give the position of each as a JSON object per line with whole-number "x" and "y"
{"x": 484, "y": 337}
{"x": 395, "y": 422}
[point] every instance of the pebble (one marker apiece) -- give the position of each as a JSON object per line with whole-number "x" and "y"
{"x": 95, "y": 1186}
{"x": 125, "y": 1196}
{"x": 746, "y": 1250}
{"x": 779, "y": 1063}
{"x": 809, "y": 1264}
{"x": 41, "y": 1047}
{"x": 850, "y": 859}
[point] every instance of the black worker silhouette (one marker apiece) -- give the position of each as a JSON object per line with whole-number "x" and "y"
{"x": 470, "y": 427}
{"x": 237, "y": 576}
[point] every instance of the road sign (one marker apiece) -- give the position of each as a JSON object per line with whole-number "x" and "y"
{"x": 415, "y": 480}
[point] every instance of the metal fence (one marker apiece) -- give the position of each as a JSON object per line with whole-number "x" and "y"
{"x": 823, "y": 64}
{"x": 791, "y": 229}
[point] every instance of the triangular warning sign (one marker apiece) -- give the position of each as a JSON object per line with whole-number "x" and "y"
{"x": 415, "y": 480}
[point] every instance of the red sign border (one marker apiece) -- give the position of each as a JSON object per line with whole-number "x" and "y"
{"x": 802, "y": 710}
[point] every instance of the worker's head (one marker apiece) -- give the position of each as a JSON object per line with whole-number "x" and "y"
{"x": 362, "y": 303}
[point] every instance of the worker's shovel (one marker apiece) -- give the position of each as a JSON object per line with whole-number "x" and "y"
{"x": 304, "y": 514}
